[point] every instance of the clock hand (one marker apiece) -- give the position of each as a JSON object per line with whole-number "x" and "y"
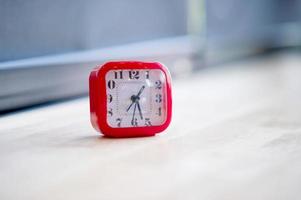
{"x": 138, "y": 105}
{"x": 134, "y": 114}
{"x": 137, "y": 102}
{"x": 140, "y": 91}
{"x": 133, "y": 101}
{"x": 134, "y": 98}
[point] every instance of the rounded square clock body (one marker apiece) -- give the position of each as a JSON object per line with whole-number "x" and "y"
{"x": 130, "y": 98}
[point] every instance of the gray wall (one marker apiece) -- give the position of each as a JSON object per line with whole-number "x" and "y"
{"x": 41, "y": 27}
{"x": 255, "y": 23}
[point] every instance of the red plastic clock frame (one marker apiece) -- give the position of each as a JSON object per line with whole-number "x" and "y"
{"x": 98, "y": 99}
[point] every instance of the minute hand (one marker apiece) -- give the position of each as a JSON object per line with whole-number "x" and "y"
{"x": 139, "y": 109}
{"x": 133, "y": 118}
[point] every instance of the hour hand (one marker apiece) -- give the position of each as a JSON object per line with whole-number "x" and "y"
{"x": 140, "y": 113}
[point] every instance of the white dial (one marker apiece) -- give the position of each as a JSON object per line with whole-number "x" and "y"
{"x": 136, "y": 98}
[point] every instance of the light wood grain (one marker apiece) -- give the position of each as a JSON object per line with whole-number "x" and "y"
{"x": 235, "y": 134}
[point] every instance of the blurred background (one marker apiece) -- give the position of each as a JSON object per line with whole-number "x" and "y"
{"x": 47, "y": 48}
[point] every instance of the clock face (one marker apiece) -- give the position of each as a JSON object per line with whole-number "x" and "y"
{"x": 135, "y": 98}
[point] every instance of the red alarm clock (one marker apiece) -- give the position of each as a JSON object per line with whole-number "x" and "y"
{"x": 130, "y": 98}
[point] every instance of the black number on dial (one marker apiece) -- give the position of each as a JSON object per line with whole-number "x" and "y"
{"x": 134, "y": 74}
{"x": 158, "y": 84}
{"x": 134, "y": 122}
{"x": 158, "y": 98}
{"x": 111, "y": 84}
{"x": 118, "y": 74}
{"x": 110, "y": 112}
{"x": 118, "y": 120}
{"x": 159, "y": 111}
{"x": 147, "y": 74}
{"x": 110, "y": 98}
{"x": 147, "y": 122}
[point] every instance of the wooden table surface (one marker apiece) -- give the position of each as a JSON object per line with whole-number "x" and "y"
{"x": 235, "y": 134}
